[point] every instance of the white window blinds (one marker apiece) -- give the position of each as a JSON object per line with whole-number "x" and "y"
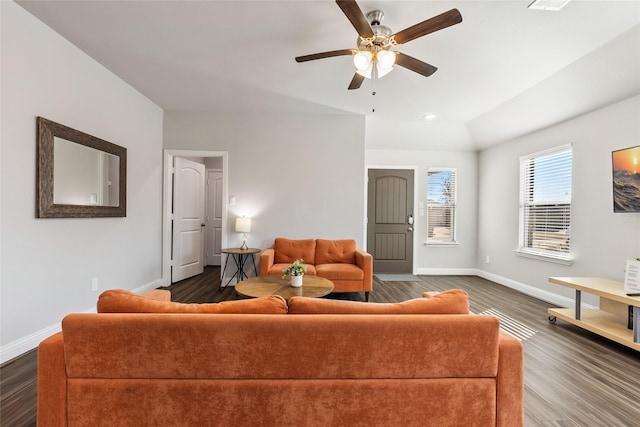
{"x": 441, "y": 205}
{"x": 545, "y": 203}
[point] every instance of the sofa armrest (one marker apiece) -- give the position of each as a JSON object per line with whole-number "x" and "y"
{"x": 52, "y": 382}
{"x": 510, "y": 394}
{"x": 266, "y": 261}
{"x": 364, "y": 260}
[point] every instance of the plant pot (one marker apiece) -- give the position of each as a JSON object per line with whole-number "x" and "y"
{"x": 296, "y": 281}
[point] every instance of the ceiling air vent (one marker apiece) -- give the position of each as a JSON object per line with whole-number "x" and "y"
{"x": 548, "y": 4}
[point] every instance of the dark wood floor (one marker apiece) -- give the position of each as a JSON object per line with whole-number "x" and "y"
{"x": 572, "y": 377}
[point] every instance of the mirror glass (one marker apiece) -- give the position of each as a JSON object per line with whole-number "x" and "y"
{"x": 83, "y": 175}
{"x": 79, "y": 175}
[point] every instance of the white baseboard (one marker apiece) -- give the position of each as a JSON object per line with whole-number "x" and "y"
{"x": 448, "y": 271}
{"x": 148, "y": 287}
{"x": 31, "y": 341}
{"x": 541, "y": 294}
{"x": 24, "y": 344}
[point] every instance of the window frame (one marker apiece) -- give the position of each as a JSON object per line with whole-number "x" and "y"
{"x": 454, "y": 231}
{"x": 526, "y": 196}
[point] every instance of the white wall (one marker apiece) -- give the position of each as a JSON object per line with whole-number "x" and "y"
{"x": 450, "y": 259}
{"x": 47, "y": 264}
{"x": 296, "y": 176}
{"x": 600, "y": 240}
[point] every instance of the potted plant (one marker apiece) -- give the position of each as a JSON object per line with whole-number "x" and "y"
{"x": 296, "y": 271}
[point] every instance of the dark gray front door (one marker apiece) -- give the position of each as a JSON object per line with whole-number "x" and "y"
{"x": 390, "y": 220}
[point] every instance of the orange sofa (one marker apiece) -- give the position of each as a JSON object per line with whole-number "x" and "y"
{"x": 305, "y": 368}
{"x": 350, "y": 269}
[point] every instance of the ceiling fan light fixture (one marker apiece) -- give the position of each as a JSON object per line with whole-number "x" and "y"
{"x": 381, "y": 72}
{"x": 373, "y": 57}
{"x": 362, "y": 60}
{"x": 366, "y": 72}
{"x": 554, "y": 5}
{"x": 385, "y": 59}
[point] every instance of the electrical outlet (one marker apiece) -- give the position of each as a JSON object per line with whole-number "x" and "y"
{"x": 488, "y": 260}
{"x": 94, "y": 284}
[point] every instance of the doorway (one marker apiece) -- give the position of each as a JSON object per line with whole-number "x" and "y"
{"x": 167, "y": 203}
{"x": 213, "y": 217}
{"x": 188, "y": 226}
{"x": 390, "y": 220}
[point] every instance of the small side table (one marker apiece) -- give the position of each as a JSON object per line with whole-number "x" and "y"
{"x": 240, "y": 257}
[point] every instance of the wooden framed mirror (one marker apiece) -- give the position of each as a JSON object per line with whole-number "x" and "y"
{"x": 78, "y": 175}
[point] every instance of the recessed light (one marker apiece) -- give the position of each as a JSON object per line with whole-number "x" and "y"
{"x": 554, "y": 5}
{"x": 429, "y": 116}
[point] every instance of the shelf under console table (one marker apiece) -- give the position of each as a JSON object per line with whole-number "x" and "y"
{"x": 611, "y": 320}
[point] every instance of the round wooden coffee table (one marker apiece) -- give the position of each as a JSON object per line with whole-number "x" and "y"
{"x": 312, "y": 286}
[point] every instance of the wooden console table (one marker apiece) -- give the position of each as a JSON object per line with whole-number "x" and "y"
{"x": 612, "y": 319}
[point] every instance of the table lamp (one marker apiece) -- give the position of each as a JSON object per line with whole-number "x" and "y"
{"x": 243, "y": 225}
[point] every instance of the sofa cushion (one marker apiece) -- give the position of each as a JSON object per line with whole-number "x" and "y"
{"x": 158, "y": 294}
{"x": 449, "y": 302}
{"x": 335, "y": 251}
{"x": 339, "y": 271}
{"x": 287, "y": 251}
{"x": 457, "y": 300}
{"x": 123, "y": 301}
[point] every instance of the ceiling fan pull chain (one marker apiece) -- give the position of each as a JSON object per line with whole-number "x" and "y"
{"x": 374, "y": 78}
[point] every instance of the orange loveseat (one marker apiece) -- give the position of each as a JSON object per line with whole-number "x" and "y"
{"x": 391, "y": 367}
{"x": 350, "y": 269}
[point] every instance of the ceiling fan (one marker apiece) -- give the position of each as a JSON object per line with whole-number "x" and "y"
{"x": 374, "y": 58}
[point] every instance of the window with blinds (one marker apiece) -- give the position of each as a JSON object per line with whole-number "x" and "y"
{"x": 545, "y": 203}
{"x": 441, "y": 205}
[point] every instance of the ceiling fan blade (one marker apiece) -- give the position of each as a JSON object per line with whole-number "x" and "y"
{"x": 431, "y": 25}
{"x": 356, "y": 81}
{"x": 351, "y": 9}
{"x": 414, "y": 64}
{"x": 321, "y": 55}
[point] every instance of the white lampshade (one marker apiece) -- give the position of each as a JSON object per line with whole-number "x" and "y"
{"x": 243, "y": 225}
{"x": 362, "y": 60}
{"x": 367, "y": 71}
{"x": 383, "y": 71}
{"x": 385, "y": 59}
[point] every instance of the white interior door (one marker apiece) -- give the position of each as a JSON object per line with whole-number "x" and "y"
{"x": 188, "y": 219}
{"x": 213, "y": 243}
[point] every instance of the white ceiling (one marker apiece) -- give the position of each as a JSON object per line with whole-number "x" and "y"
{"x": 504, "y": 71}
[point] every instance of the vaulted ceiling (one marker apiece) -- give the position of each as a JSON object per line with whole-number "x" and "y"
{"x": 504, "y": 71}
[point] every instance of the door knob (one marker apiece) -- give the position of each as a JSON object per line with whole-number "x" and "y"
{"x": 410, "y": 229}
